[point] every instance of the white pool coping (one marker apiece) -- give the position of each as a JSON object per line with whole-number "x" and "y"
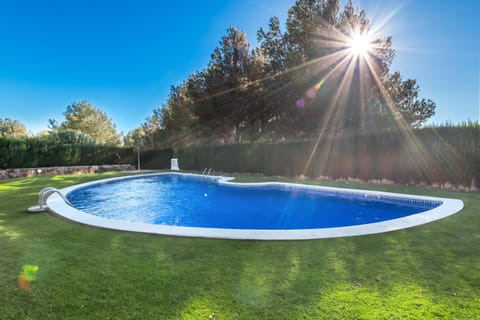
{"x": 447, "y": 208}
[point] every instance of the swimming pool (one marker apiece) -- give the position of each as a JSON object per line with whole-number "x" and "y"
{"x": 194, "y": 205}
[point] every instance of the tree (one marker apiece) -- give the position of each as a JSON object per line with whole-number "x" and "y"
{"x": 299, "y": 83}
{"x": 273, "y": 47}
{"x": 149, "y": 135}
{"x": 12, "y": 128}
{"x": 84, "y": 117}
{"x": 226, "y": 81}
{"x": 316, "y": 46}
{"x": 69, "y": 136}
{"x": 177, "y": 116}
{"x": 309, "y": 25}
{"x": 135, "y": 138}
{"x": 403, "y": 103}
{"x": 298, "y": 58}
{"x": 276, "y": 80}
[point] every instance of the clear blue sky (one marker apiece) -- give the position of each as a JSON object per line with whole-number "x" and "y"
{"x": 122, "y": 56}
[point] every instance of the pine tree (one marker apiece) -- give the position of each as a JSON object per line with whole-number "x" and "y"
{"x": 12, "y": 128}
{"x": 84, "y": 117}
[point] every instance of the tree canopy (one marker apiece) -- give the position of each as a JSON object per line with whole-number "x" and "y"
{"x": 326, "y": 71}
{"x": 69, "y": 136}
{"x": 89, "y": 120}
{"x": 12, "y": 128}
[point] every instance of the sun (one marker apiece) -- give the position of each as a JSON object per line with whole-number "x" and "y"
{"x": 360, "y": 45}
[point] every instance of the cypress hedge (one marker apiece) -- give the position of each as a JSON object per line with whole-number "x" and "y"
{"x": 34, "y": 152}
{"x": 430, "y": 155}
{"x": 155, "y": 159}
{"x": 449, "y": 154}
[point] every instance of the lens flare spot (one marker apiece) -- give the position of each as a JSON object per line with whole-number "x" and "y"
{"x": 311, "y": 93}
{"x": 319, "y": 85}
{"x": 23, "y": 283}
{"x": 300, "y": 103}
{"x": 29, "y": 274}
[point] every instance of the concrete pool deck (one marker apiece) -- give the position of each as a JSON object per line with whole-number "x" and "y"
{"x": 446, "y": 208}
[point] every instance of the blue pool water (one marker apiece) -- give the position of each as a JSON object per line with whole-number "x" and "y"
{"x": 194, "y": 202}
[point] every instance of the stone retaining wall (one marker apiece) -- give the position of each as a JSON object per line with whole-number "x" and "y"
{"x": 51, "y": 171}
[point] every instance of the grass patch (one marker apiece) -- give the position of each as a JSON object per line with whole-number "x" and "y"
{"x": 71, "y": 271}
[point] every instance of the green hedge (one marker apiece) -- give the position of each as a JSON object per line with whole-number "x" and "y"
{"x": 35, "y": 152}
{"x": 431, "y": 155}
{"x": 155, "y": 159}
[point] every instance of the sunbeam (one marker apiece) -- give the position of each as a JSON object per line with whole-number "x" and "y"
{"x": 332, "y": 110}
{"x": 414, "y": 146}
{"x": 360, "y": 47}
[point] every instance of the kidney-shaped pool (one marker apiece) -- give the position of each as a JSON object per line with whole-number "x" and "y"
{"x": 208, "y": 206}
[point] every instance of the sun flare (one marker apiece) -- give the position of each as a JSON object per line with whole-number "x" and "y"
{"x": 360, "y": 45}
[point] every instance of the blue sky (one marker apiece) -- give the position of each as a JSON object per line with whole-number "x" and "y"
{"x": 122, "y": 56}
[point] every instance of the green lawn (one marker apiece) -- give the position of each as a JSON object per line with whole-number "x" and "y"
{"x": 80, "y": 272}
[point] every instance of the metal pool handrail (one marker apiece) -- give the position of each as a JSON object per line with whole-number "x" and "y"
{"x": 42, "y": 199}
